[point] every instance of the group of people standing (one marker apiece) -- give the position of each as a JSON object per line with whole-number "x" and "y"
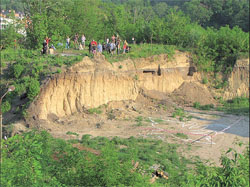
{"x": 110, "y": 46}
{"x": 77, "y": 44}
{"x": 46, "y": 48}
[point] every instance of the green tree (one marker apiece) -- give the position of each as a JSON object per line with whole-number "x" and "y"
{"x": 198, "y": 12}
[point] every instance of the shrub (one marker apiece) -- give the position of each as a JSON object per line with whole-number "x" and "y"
{"x": 238, "y": 105}
{"x": 196, "y": 105}
{"x": 5, "y": 107}
{"x": 181, "y": 135}
{"x": 204, "y": 80}
{"x": 72, "y": 133}
{"x": 17, "y": 70}
{"x": 95, "y": 111}
{"x": 33, "y": 88}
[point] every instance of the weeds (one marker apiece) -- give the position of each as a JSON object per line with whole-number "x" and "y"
{"x": 204, "y": 80}
{"x": 139, "y": 120}
{"x": 181, "y": 135}
{"x": 164, "y": 107}
{"x": 197, "y": 105}
{"x": 238, "y": 106}
{"x": 179, "y": 112}
{"x": 95, "y": 110}
{"x": 111, "y": 115}
{"x": 72, "y": 133}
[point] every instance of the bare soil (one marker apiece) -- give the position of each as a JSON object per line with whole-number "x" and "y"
{"x": 206, "y": 134}
{"x": 188, "y": 93}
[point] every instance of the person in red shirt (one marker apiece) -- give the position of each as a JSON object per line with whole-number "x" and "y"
{"x": 125, "y": 45}
{"x": 47, "y": 42}
{"x": 93, "y": 46}
{"x": 94, "y": 43}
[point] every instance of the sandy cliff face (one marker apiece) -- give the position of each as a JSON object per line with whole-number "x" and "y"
{"x": 91, "y": 83}
{"x": 238, "y": 80}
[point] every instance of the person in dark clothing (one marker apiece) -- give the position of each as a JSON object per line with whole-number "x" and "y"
{"x": 90, "y": 48}
{"x": 45, "y": 47}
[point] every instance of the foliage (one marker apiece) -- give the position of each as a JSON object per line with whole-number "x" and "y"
{"x": 163, "y": 106}
{"x": 237, "y": 105}
{"x": 5, "y": 106}
{"x": 179, "y": 112}
{"x": 234, "y": 171}
{"x": 17, "y": 70}
{"x": 95, "y": 110}
{"x": 181, "y": 135}
{"x": 216, "y": 48}
{"x": 219, "y": 13}
{"x": 197, "y": 105}
{"x": 72, "y": 133}
{"x": 10, "y": 37}
{"x": 138, "y": 121}
{"x": 37, "y": 159}
{"x": 142, "y": 51}
{"x": 204, "y": 80}
{"x": 219, "y": 49}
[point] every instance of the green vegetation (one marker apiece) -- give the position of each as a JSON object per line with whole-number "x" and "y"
{"x": 72, "y": 133}
{"x": 204, "y": 80}
{"x": 37, "y": 159}
{"x": 158, "y": 120}
{"x": 95, "y": 110}
{"x": 179, "y": 112}
{"x": 164, "y": 107}
{"x": 238, "y": 105}
{"x": 215, "y": 32}
{"x": 111, "y": 115}
{"x": 197, "y": 105}
{"x": 181, "y": 135}
{"x": 142, "y": 51}
{"x": 138, "y": 121}
{"x": 216, "y": 35}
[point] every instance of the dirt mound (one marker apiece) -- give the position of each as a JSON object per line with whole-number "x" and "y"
{"x": 188, "y": 93}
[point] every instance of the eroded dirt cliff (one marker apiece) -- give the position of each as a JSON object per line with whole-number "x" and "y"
{"x": 94, "y": 82}
{"x": 238, "y": 80}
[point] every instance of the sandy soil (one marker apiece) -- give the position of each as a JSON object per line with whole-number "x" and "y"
{"x": 206, "y": 134}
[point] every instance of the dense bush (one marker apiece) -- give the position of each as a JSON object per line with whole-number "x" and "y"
{"x": 36, "y": 159}
{"x": 238, "y": 105}
{"x": 33, "y": 88}
{"x": 5, "y": 106}
{"x": 219, "y": 49}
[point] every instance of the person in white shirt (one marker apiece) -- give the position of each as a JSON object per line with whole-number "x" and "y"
{"x": 83, "y": 41}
